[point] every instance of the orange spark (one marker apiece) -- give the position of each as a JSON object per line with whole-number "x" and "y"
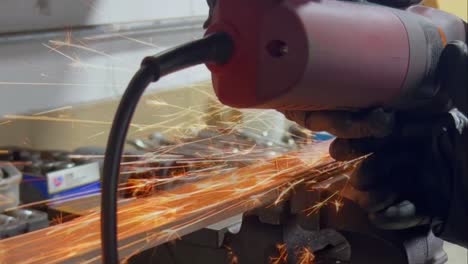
{"x": 233, "y": 259}
{"x": 96, "y": 135}
{"x": 98, "y": 85}
{"x": 5, "y": 122}
{"x": 166, "y": 215}
{"x": 338, "y": 204}
{"x": 57, "y": 219}
{"x": 287, "y": 190}
{"x": 82, "y": 47}
{"x": 306, "y": 256}
{"x": 64, "y": 120}
{"x": 53, "y": 110}
{"x": 319, "y": 205}
{"x": 139, "y": 41}
{"x": 69, "y": 36}
{"x": 59, "y": 52}
{"x": 3, "y": 152}
{"x": 282, "y": 257}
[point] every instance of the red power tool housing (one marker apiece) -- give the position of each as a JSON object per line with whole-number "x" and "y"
{"x": 329, "y": 54}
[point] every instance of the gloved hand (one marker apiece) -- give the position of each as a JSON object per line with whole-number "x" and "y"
{"x": 416, "y": 172}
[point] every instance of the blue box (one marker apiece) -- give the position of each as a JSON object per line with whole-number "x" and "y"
{"x": 62, "y": 185}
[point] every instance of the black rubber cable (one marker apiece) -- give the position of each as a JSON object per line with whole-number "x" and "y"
{"x": 216, "y": 48}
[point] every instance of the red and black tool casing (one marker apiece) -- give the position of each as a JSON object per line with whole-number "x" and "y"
{"x": 328, "y": 54}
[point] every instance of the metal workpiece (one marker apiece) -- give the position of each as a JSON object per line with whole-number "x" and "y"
{"x": 21, "y": 221}
{"x": 214, "y": 236}
{"x": 327, "y": 245}
{"x": 330, "y": 233}
{"x": 140, "y": 144}
{"x": 276, "y": 214}
{"x": 195, "y": 155}
{"x": 203, "y": 237}
{"x": 50, "y": 166}
{"x": 301, "y": 200}
{"x": 34, "y": 219}
{"x": 158, "y": 139}
{"x": 10, "y": 226}
{"x": 330, "y": 236}
{"x": 9, "y": 186}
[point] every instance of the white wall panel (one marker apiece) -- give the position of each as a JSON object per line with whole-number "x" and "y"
{"x": 26, "y": 15}
{"x": 39, "y": 74}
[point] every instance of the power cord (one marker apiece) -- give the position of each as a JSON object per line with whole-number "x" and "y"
{"x": 216, "y": 48}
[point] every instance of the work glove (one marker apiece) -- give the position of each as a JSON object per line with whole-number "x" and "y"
{"x": 415, "y": 173}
